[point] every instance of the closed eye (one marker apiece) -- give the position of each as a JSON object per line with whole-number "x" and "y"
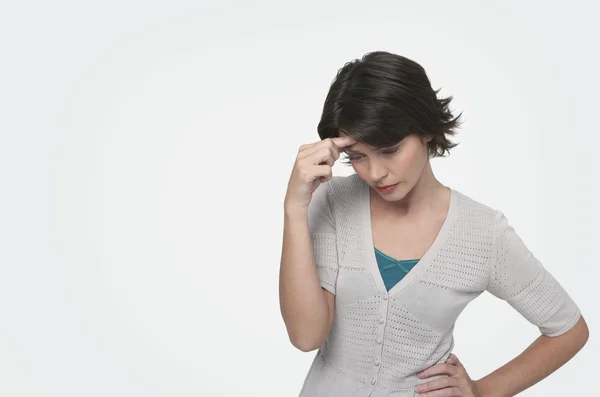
{"x": 354, "y": 157}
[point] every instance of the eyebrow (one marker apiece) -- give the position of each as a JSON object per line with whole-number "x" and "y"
{"x": 350, "y": 151}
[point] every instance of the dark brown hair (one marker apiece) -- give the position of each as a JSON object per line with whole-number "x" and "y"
{"x": 383, "y": 97}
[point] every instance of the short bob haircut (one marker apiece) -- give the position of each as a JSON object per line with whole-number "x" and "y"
{"x": 383, "y": 97}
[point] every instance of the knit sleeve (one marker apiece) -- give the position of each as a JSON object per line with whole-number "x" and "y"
{"x": 323, "y": 234}
{"x": 519, "y": 278}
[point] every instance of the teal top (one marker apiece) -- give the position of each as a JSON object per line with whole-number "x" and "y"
{"x": 393, "y": 270}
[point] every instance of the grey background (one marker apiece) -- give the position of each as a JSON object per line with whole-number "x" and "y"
{"x": 144, "y": 157}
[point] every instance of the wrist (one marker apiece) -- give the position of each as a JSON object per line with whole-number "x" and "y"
{"x": 483, "y": 389}
{"x": 478, "y": 388}
{"x": 293, "y": 208}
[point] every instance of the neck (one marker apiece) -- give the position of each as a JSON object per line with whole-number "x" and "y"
{"x": 427, "y": 194}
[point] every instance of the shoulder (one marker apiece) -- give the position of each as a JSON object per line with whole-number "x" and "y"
{"x": 345, "y": 184}
{"x": 346, "y": 191}
{"x": 334, "y": 193}
{"x": 347, "y": 181}
{"x": 475, "y": 214}
{"x": 341, "y": 194}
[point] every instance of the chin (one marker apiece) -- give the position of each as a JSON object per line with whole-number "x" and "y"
{"x": 395, "y": 195}
{"x": 392, "y": 197}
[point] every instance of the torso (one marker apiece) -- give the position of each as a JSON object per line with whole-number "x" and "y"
{"x": 405, "y": 238}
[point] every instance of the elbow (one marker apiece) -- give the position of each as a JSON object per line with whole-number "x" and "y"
{"x": 581, "y": 331}
{"x": 306, "y": 344}
{"x": 585, "y": 332}
{"x": 578, "y": 335}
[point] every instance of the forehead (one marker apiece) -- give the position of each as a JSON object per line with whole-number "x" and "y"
{"x": 357, "y": 147}
{"x": 353, "y": 146}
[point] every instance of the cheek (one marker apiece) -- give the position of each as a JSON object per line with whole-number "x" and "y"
{"x": 408, "y": 161}
{"x": 361, "y": 170}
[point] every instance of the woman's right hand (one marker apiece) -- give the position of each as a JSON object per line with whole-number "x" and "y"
{"x": 313, "y": 167}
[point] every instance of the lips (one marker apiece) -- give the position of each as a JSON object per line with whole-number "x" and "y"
{"x": 383, "y": 187}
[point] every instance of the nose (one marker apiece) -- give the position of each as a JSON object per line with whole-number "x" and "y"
{"x": 376, "y": 171}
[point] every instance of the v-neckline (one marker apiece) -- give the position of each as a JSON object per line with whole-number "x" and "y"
{"x": 425, "y": 260}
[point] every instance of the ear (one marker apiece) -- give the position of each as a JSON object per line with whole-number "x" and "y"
{"x": 428, "y": 138}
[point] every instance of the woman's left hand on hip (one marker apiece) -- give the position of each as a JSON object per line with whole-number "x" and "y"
{"x": 456, "y": 384}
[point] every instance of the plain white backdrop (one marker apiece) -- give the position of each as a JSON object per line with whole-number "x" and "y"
{"x": 146, "y": 149}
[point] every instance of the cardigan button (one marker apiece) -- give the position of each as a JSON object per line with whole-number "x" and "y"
{"x": 379, "y": 341}
{"x": 373, "y": 381}
{"x": 384, "y": 297}
{"x": 381, "y": 320}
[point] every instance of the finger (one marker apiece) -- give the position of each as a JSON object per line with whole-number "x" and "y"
{"x": 325, "y": 156}
{"x": 322, "y": 171}
{"x": 328, "y": 173}
{"x": 320, "y": 156}
{"x": 320, "y": 149}
{"x": 456, "y": 361}
{"x": 439, "y": 369}
{"x": 452, "y": 360}
{"x": 343, "y": 141}
{"x": 427, "y": 372}
{"x": 447, "y": 392}
{"x": 437, "y": 384}
{"x": 336, "y": 143}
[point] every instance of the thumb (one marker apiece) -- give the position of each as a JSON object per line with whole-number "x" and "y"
{"x": 452, "y": 359}
{"x": 455, "y": 360}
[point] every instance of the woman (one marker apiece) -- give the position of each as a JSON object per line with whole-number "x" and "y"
{"x": 377, "y": 266}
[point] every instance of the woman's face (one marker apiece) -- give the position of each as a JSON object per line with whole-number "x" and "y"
{"x": 401, "y": 164}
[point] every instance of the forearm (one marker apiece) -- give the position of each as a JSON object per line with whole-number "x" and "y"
{"x": 544, "y": 356}
{"x": 303, "y": 304}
